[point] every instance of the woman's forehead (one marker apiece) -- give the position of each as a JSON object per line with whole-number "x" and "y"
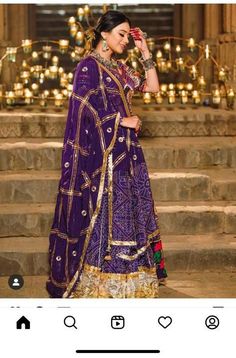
{"x": 124, "y": 26}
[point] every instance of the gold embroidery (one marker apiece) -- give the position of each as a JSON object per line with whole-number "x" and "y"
{"x": 128, "y": 139}
{"x": 86, "y": 179}
{"x": 102, "y": 88}
{"x": 70, "y": 192}
{"x": 95, "y": 214}
{"x": 76, "y": 146}
{"x": 67, "y": 262}
{"x": 123, "y": 243}
{"x": 96, "y": 172}
{"x": 64, "y": 236}
{"x": 108, "y": 117}
{"x": 119, "y": 159}
{"x": 109, "y": 203}
{"x": 112, "y": 90}
{"x": 86, "y": 176}
{"x": 131, "y": 168}
{"x": 58, "y": 284}
{"x": 85, "y": 102}
{"x": 97, "y": 284}
{"x": 135, "y": 256}
{"x": 156, "y": 232}
{"x": 121, "y": 90}
{"x": 90, "y": 207}
{"x": 84, "y": 186}
{"x": 60, "y": 209}
{"x": 84, "y": 231}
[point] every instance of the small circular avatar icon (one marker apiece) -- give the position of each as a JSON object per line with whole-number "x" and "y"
{"x": 212, "y": 322}
{"x": 16, "y": 282}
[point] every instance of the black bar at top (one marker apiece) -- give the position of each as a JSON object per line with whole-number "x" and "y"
{"x": 152, "y": 351}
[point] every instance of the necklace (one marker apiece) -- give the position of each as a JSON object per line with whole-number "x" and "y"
{"x": 111, "y": 64}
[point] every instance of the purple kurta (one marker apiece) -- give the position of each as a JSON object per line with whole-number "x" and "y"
{"x": 104, "y": 204}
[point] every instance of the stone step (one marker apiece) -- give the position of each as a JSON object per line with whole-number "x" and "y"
{"x": 172, "y": 122}
{"x": 188, "y": 253}
{"x": 34, "y": 186}
{"x": 30, "y": 154}
{"x": 185, "y": 122}
{"x": 188, "y": 218}
{"x": 195, "y": 184}
{"x": 18, "y": 124}
{"x": 217, "y": 284}
{"x": 160, "y": 153}
{"x": 190, "y": 152}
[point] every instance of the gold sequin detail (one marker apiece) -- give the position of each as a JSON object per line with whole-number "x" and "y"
{"x": 97, "y": 284}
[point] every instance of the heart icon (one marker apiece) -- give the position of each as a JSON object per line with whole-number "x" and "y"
{"x": 164, "y": 321}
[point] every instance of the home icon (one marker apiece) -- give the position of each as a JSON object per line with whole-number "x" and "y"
{"x": 23, "y": 322}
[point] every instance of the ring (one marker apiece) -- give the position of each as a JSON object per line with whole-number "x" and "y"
{"x": 144, "y": 35}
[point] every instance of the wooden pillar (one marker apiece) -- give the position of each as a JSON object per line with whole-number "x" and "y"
{"x": 226, "y": 53}
{"x": 192, "y": 21}
{"x": 229, "y": 18}
{"x": 212, "y": 21}
{"x": 212, "y": 28}
{"x": 178, "y": 20}
{"x": 16, "y": 24}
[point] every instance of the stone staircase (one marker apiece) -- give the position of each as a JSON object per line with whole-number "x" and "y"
{"x": 191, "y": 156}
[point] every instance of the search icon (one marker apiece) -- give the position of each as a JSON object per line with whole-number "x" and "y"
{"x": 69, "y": 321}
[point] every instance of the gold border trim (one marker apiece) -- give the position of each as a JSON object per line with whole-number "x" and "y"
{"x": 95, "y": 214}
{"x": 123, "y": 243}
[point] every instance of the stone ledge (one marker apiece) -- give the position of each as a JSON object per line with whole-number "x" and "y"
{"x": 197, "y": 218}
{"x": 189, "y": 253}
{"x": 156, "y": 123}
{"x": 185, "y": 152}
{"x": 41, "y": 186}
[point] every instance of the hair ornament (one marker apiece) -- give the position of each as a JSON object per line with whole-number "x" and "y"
{"x": 90, "y": 35}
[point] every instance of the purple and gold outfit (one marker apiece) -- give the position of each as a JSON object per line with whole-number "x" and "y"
{"x": 105, "y": 228}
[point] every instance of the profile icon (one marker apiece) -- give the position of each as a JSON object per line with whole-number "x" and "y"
{"x": 212, "y": 322}
{"x": 16, "y": 282}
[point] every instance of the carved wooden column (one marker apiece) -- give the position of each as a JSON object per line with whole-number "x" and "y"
{"x": 188, "y": 21}
{"x": 212, "y": 29}
{"x": 16, "y": 21}
{"x": 4, "y": 42}
{"x": 227, "y": 41}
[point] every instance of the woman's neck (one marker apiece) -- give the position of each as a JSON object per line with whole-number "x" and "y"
{"x": 105, "y": 54}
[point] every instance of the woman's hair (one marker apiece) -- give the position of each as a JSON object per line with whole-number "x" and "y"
{"x": 107, "y": 22}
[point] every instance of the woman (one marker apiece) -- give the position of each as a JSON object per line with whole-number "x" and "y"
{"x": 105, "y": 239}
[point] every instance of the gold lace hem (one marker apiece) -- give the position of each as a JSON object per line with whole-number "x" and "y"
{"x": 96, "y": 284}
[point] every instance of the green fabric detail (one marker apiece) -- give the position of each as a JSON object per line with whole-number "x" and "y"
{"x": 157, "y": 257}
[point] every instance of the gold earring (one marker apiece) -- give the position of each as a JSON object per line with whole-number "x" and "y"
{"x": 104, "y": 45}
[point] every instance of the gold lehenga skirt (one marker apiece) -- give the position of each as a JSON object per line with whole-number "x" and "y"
{"x": 96, "y": 284}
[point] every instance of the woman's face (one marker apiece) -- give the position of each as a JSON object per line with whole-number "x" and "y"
{"x": 118, "y": 38}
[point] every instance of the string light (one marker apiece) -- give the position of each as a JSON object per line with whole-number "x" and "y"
{"x": 32, "y": 76}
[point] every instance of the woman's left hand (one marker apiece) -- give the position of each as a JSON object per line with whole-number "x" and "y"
{"x": 141, "y": 44}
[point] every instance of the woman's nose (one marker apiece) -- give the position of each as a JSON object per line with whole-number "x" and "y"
{"x": 127, "y": 40}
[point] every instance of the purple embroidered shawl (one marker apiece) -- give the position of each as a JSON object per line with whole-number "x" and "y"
{"x": 97, "y": 102}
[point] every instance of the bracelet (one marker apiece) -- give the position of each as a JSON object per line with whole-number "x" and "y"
{"x": 147, "y": 64}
